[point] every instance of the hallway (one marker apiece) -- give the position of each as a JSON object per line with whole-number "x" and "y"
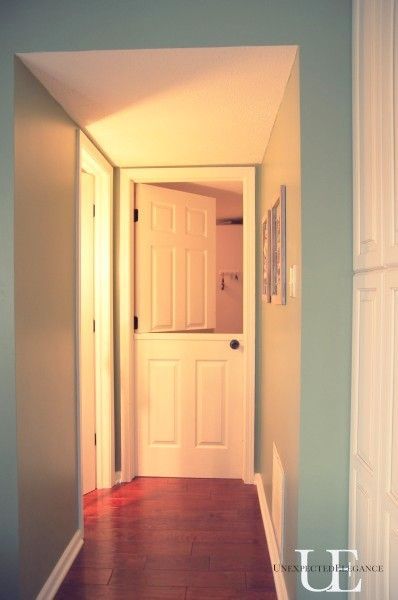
{"x": 193, "y": 539}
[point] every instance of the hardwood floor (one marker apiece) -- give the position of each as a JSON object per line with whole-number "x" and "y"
{"x": 188, "y": 539}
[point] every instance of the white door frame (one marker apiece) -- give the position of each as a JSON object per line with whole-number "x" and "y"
{"x": 91, "y": 161}
{"x": 125, "y": 261}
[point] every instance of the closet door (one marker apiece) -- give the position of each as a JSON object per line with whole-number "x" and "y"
{"x": 390, "y": 130}
{"x": 367, "y": 125}
{"x": 389, "y": 440}
{"x": 366, "y": 397}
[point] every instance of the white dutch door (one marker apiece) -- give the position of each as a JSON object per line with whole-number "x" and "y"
{"x": 188, "y": 380}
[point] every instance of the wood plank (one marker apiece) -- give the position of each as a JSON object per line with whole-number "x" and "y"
{"x": 85, "y": 575}
{"x": 177, "y": 563}
{"x": 174, "y": 578}
{"x": 230, "y": 593}
{"x": 238, "y": 549}
{"x": 260, "y": 580}
{"x": 118, "y": 592}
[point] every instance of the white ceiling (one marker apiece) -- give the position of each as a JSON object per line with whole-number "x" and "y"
{"x": 228, "y": 194}
{"x": 209, "y": 188}
{"x": 163, "y": 107}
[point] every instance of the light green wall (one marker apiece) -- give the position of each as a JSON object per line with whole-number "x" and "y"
{"x": 322, "y": 29}
{"x": 279, "y": 382}
{"x": 45, "y": 163}
{"x": 326, "y": 219}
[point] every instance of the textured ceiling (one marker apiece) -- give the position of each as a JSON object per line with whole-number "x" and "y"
{"x": 228, "y": 194}
{"x": 162, "y": 107}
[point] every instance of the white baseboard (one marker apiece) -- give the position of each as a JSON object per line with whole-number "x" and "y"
{"x": 279, "y": 578}
{"x": 62, "y": 567}
{"x": 118, "y": 477}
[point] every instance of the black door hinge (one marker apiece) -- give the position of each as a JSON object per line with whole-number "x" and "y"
{"x": 95, "y": 439}
{"x": 135, "y": 215}
{"x": 135, "y": 323}
{"x": 93, "y": 210}
{"x": 94, "y": 325}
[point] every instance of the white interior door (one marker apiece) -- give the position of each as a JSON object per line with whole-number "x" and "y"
{"x": 87, "y": 341}
{"x": 175, "y": 260}
{"x": 189, "y": 405}
{"x": 188, "y": 386}
{"x": 388, "y": 511}
{"x": 365, "y": 417}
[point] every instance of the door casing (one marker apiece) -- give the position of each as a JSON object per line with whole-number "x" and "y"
{"x": 125, "y": 274}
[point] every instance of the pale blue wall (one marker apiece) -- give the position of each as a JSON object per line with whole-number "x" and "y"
{"x": 322, "y": 29}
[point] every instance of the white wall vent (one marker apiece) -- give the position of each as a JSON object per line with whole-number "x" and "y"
{"x": 278, "y": 500}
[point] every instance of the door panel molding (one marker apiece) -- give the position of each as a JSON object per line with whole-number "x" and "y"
{"x": 125, "y": 259}
{"x": 211, "y": 418}
{"x": 164, "y": 402}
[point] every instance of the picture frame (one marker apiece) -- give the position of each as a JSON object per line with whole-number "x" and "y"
{"x": 278, "y": 249}
{"x": 266, "y": 257}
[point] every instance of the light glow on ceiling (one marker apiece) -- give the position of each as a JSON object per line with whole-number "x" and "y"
{"x": 178, "y": 106}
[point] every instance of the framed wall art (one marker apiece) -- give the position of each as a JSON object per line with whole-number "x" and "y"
{"x": 278, "y": 249}
{"x": 266, "y": 250}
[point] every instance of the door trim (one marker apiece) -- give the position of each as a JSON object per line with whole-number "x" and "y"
{"x": 125, "y": 309}
{"x": 91, "y": 161}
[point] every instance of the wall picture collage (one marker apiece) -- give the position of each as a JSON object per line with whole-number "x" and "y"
{"x": 274, "y": 251}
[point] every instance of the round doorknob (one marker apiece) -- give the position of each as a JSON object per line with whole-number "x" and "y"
{"x": 234, "y": 344}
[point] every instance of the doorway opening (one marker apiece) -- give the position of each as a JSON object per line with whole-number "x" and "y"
{"x": 187, "y": 376}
